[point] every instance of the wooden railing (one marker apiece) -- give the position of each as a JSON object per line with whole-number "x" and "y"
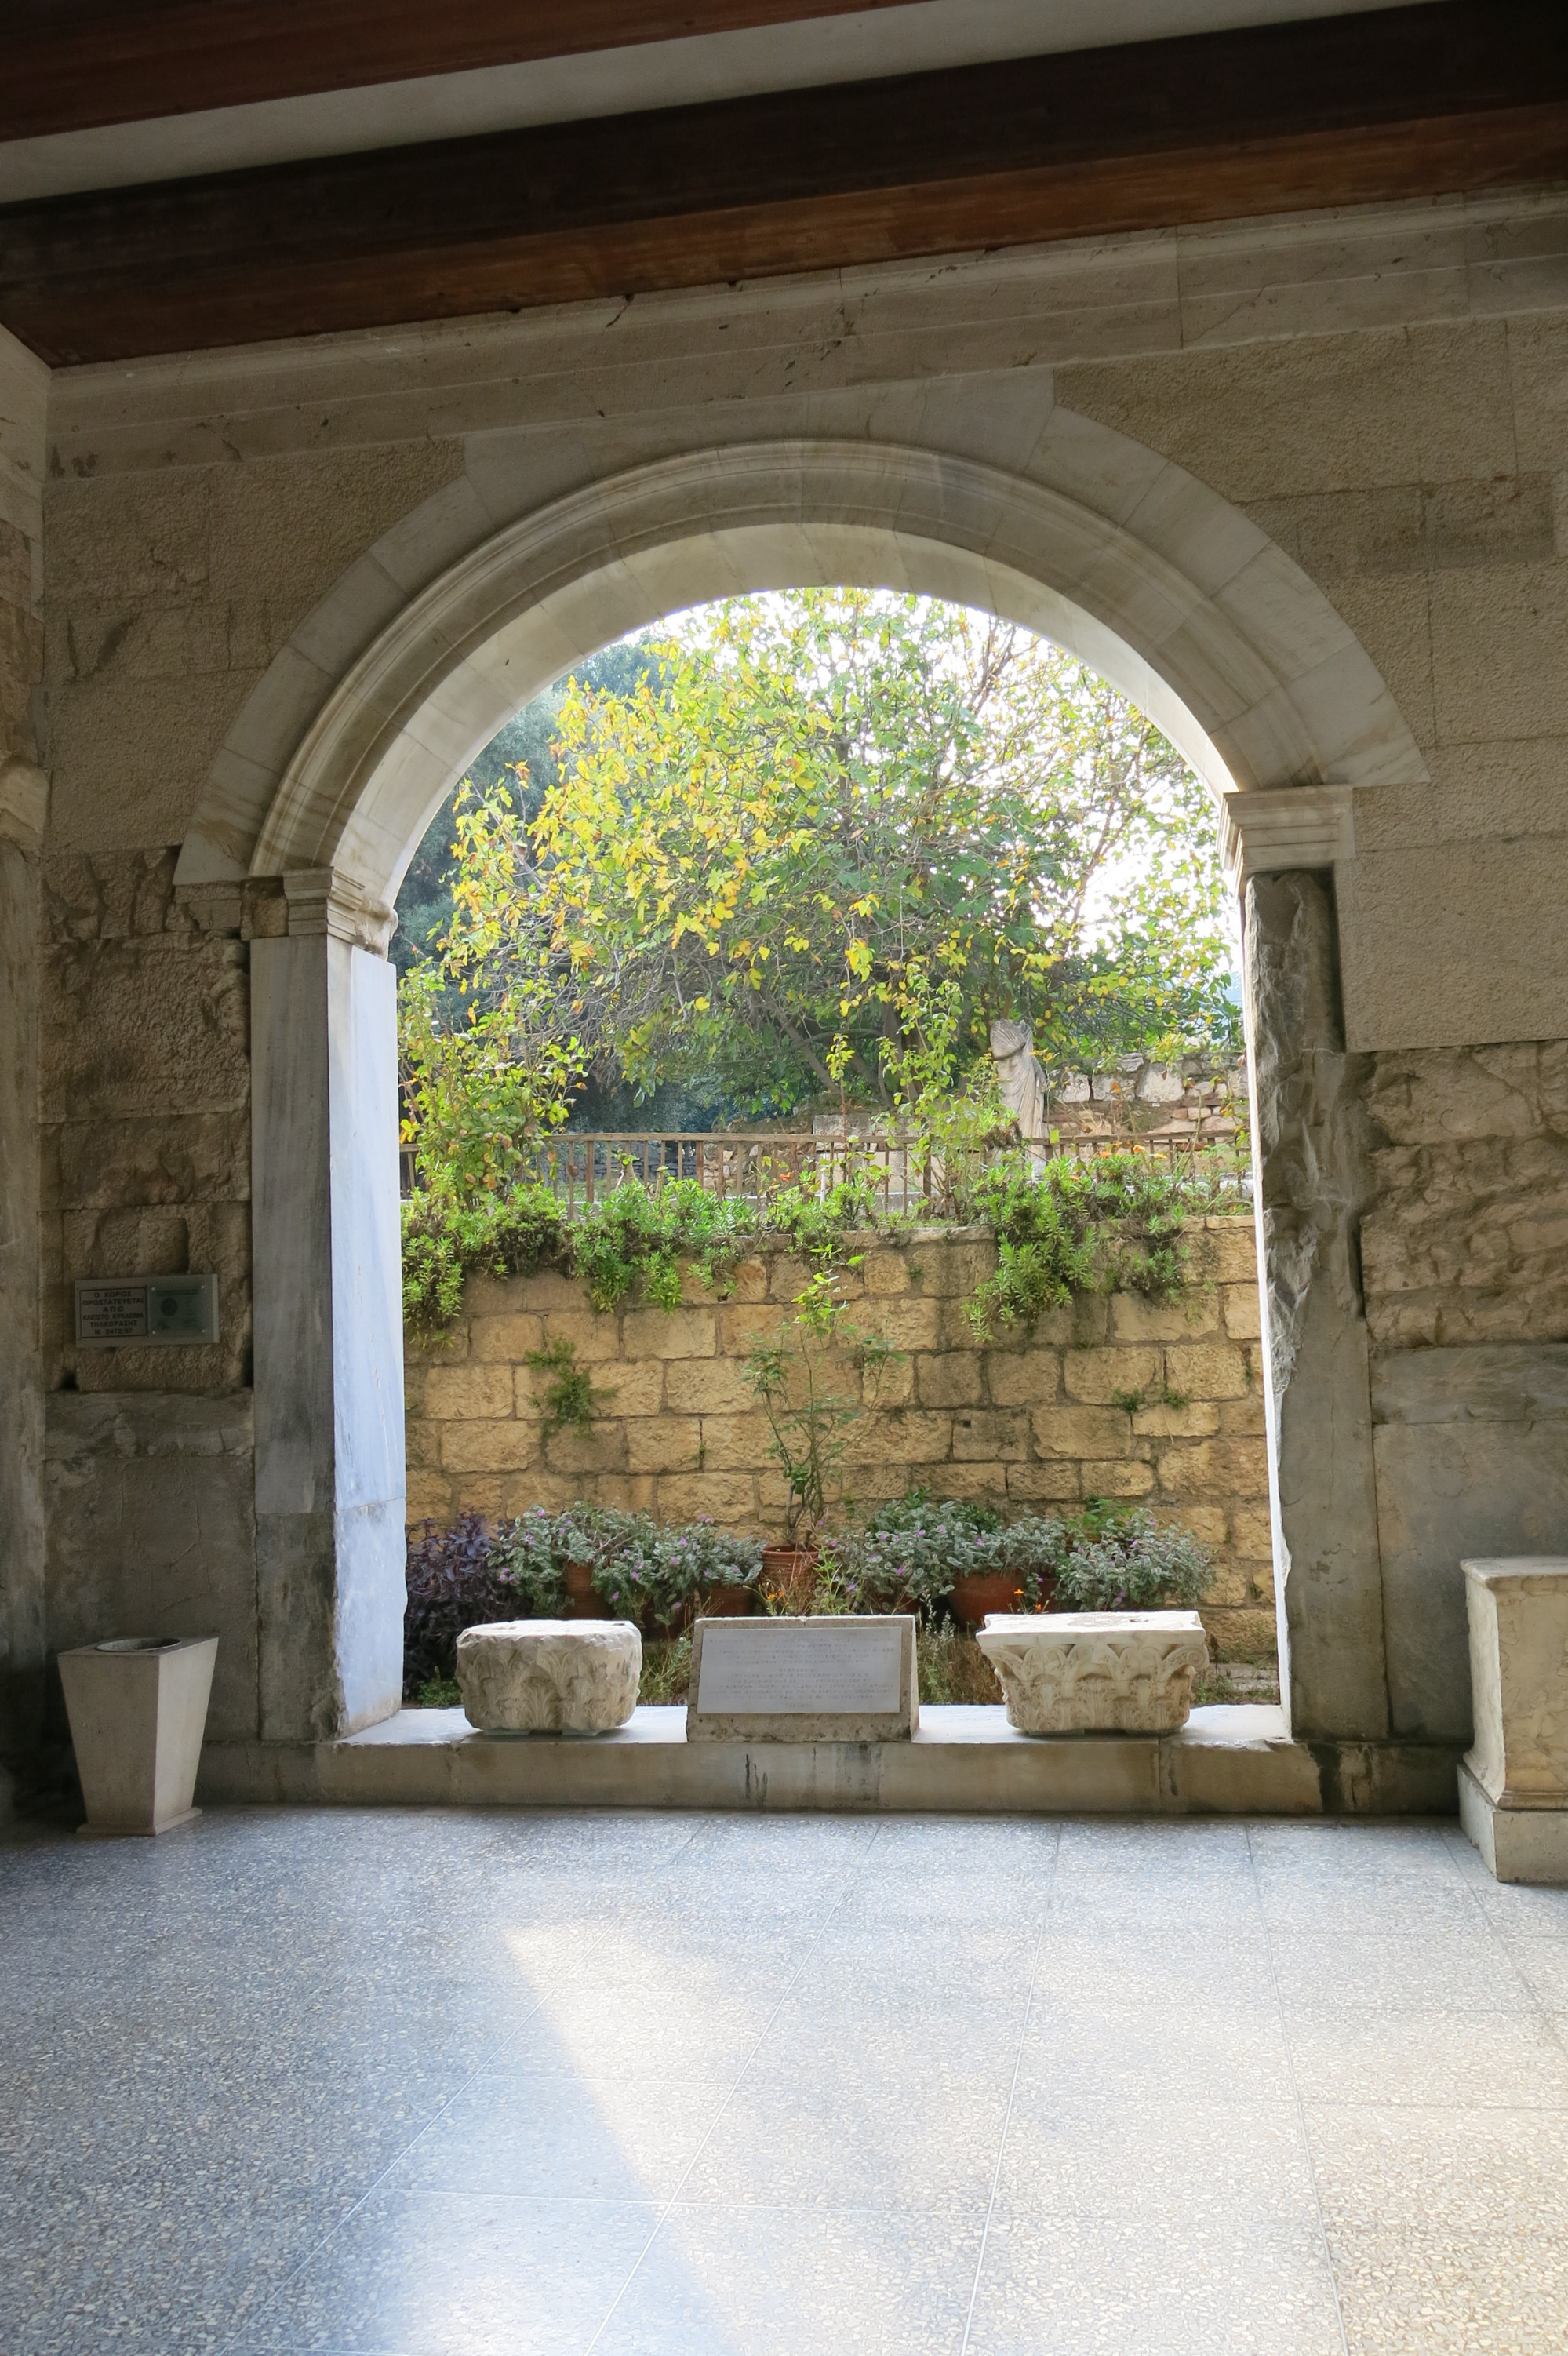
{"x": 581, "y": 1166}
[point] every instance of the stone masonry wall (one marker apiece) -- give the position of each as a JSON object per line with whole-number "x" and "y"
{"x": 1025, "y": 1424}
{"x": 145, "y": 1146}
{"x": 1465, "y": 1259}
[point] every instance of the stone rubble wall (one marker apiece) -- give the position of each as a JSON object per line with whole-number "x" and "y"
{"x": 1026, "y": 1424}
{"x": 1201, "y": 1097}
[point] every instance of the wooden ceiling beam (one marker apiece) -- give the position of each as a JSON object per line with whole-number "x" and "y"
{"x": 1460, "y": 95}
{"x": 72, "y": 65}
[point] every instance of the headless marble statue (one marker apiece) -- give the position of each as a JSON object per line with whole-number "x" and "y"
{"x": 1020, "y": 1079}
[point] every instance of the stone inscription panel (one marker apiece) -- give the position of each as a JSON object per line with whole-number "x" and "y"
{"x": 817, "y": 1670}
{"x": 827, "y": 1680}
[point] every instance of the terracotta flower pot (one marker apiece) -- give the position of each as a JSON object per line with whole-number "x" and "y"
{"x": 724, "y": 1603}
{"x": 986, "y": 1590}
{"x": 790, "y": 1573}
{"x": 582, "y": 1602}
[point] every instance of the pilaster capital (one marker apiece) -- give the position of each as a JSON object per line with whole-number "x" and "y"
{"x": 1295, "y": 826}
{"x": 322, "y": 901}
{"x": 23, "y": 802}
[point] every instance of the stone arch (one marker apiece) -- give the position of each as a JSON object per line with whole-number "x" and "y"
{"x": 449, "y": 624}
{"x": 349, "y": 743}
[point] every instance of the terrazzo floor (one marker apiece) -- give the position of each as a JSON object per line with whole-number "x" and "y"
{"x": 400, "y": 2084}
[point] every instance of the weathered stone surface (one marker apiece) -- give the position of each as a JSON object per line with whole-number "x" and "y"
{"x": 1444, "y": 1491}
{"x": 1466, "y": 1239}
{"x": 22, "y": 1548}
{"x": 549, "y": 1677}
{"x": 107, "y": 1165}
{"x": 152, "y": 1530}
{"x": 835, "y": 1679}
{"x": 142, "y": 1029}
{"x": 1095, "y": 1672}
{"x": 1471, "y": 1450}
{"x": 1314, "y": 1141}
{"x": 1518, "y": 1612}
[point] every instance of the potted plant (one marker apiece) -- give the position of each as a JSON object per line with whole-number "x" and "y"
{"x": 808, "y": 1423}
{"x": 919, "y": 1553}
{"x": 1117, "y": 1558}
{"x": 703, "y": 1572}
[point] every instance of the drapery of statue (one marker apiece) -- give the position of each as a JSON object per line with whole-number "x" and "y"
{"x": 1020, "y": 1079}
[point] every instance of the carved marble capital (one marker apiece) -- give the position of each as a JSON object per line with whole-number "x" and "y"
{"x": 549, "y": 1677}
{"x": 322, "y": 901}
{"x": 1095, "y": 1672}
{"x": 1295, "y": 826}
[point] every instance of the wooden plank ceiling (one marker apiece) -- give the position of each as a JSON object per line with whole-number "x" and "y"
{"x": 1459, "y": 94}
{"x": 73, "y": 64}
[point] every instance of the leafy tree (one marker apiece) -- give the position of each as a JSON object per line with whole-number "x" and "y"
{"x": 520, "y": 763}
{"x": 841, "y": 818}
{"x": 805, "y": 847}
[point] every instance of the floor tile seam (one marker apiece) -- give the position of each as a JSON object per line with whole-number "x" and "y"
{"x": 667, "y": 2207}
{"x": 1012, "y": 2098}
{"x": 1322, "y": 2223}
{"x": 1554, "y": 2022}
{"x": 338, "y": 2223}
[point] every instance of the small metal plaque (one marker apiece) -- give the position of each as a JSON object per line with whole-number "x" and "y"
{"x": 150, "y": 1310}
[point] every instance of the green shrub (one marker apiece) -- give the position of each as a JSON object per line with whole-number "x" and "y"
{"x": 445, "y": 1244}
{"x": 1065, "y": 1227}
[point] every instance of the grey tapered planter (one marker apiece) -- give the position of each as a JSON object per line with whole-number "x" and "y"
{"x": 137, "y": 1706}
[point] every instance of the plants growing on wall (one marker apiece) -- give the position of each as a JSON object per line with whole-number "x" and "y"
{"x": 570, "y": 1400}
{"x": 1112, "y": 1225}
{"x": 1062, "y": 1228}
{"x": 808, "y": 1423}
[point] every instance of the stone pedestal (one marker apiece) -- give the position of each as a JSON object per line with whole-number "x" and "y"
{"x": 549, "y": 1677}
{"x": 1513, "y": 1781}
{"x": 1095, "y": 1672}
{"x": 137, "y": 1708}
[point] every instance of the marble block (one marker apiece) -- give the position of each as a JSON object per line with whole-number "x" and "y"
{"x": 1525, "y": 1845}
{"x": 137, "y": 1706}
{"x": 549, "y": 1677}
{"x": 824, "y": 1679}
{"x": 1517, "y": 1609}
{"x": 1095, "y": 1672}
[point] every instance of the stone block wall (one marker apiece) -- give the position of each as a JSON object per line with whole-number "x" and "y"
{"x": 1465, "y": 1262}
{"x": 1158, "y": 1403}
{"x": 145, "y": 1108}
{"x": 145, "y": 1146}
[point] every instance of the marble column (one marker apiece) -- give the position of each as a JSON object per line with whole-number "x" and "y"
{"x": 328, "y": 1318}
